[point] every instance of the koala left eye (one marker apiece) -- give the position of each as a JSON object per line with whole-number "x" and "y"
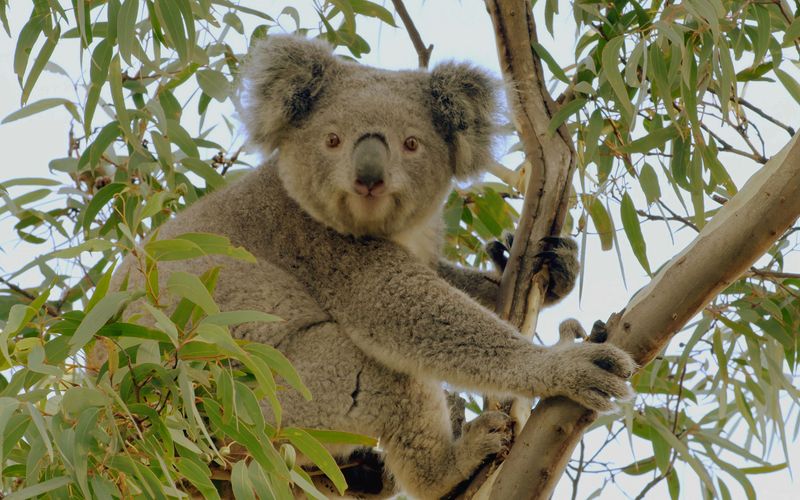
{"x": 411, "y": 144}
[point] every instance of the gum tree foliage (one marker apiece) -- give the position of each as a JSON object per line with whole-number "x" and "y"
{"x": 655, "y": 99}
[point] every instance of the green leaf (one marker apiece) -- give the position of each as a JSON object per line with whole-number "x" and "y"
{"x": 240, "y": 481}
{"x": 300, "y": 478}
{"x": 38, "y": 107}
{"x": 205, "y": 171}
{"x": 792, "y": 32}
{"x": 190, "y": 287}
{"x": 633, "y": 230}
{"x": 789, "y": 82}
{"x": 199, "y": 478}
{"x": 317, "y": 453}
{"x": 77, "y": 399}
{"x": 640, "y": 467}
{"x": 181, "y": 138}
{"x": 98, "y": 72}
{"x": 191, "y": 245}
{"x": 610, "y": 65}
{"x": 592, "y": 136}
{"x": 554, "y": 67}
{"x": 39, "y": 489}
{"x": 126, "y": 29}
{"x": 164, "y": 323}
{"x": 214, "y": 84}
{"x": 238, "y": 317}
{"x": 96, "y": 318}
{"x": 764, "y": 469}
{"x": 26, "y": 39}
{"x": 338, "y": 437}
{"x": 565, "y": 112}
{"x": 280, "y": 364}
{"x": 100, "y": 199}
{"x": 91, "y": 245}
{"x": 169, "y": 14}
{"x": 41, "y": 60}
{"x": 674, "y": 485}
{"x": 232, "y": 20}
{"x": 68, "y": 165}
{"x": 602, "y": 223}
{"x": 680, "y": 447}
{"x": 649, "y": 182}
{"x": 372, "y": 9}
{"x": 654, "y": 140}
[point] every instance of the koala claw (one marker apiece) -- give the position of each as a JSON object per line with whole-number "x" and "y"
{"x": 560, "y": 255}
{"x": 591, "y": 374}
{"x": 489, "y": 434}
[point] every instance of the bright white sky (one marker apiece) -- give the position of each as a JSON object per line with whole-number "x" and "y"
{"x": 458, "y": 30}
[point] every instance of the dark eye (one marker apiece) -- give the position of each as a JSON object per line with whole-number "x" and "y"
{"x": 411, "y": 144}
{"x": 332, "y": 140}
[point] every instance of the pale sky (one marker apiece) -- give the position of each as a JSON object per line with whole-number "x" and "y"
{"x": 460, "y": 31}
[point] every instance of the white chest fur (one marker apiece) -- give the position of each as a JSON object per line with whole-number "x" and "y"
{"x": 423, "y": 240}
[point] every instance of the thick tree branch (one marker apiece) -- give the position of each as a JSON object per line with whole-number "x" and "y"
{"x": 744, "y": 228}
{"x": 423, "y": 52}
{"x": 551, "y": 161}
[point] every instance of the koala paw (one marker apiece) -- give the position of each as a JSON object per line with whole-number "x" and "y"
{"x": 559, "y": 254}
{"x": 589, "y": 373}
{"x": 489, "y": 434}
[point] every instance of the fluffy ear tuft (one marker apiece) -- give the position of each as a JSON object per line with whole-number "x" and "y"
{"x": 283, "y": 78}
{"x": 464, "y": 103}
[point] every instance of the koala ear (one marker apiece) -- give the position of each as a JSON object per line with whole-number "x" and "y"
{"x": 464, "y": 103}
{"x": 283, "y": 79}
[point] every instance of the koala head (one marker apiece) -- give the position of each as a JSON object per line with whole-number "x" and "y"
{"x": 363, "y": 150}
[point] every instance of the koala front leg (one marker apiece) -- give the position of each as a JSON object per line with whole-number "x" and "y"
{"x": 559, "y": 254}
{"x": 480, "y": 285}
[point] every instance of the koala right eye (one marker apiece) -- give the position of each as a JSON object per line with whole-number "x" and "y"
{"x": 332, "y": 140}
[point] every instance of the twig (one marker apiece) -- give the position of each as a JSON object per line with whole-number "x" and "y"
{"x": 578, "y": 471}
{"x": 682, "y": 220}
{"x": 727, "y": 148}
{"x": 649, "y": 486}
{"x": 47, "y": 307}
{"x": 766, "y": 273}
{"x": 423, "y": 52}
{"x": 738, "y": 100}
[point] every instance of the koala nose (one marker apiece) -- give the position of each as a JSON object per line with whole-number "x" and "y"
{"x": 370, "y": 157}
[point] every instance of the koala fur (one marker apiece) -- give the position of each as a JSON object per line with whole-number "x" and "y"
{"x": 374, "y": 322}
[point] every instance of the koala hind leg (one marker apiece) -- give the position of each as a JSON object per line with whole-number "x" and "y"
{"x": 421, "y": 452}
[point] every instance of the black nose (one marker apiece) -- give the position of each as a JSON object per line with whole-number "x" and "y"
{"x": 370, "y": 158}
{"x": 370, "y": 178}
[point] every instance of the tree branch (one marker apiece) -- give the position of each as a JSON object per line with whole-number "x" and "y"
{"x": 423, "y": 52}
{"x": 743, "y": 229}
{"x": 551, "y": 161}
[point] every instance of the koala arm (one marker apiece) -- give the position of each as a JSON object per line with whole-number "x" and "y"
{"x": 480, "y": 285}
{"x": 559, "y": 254}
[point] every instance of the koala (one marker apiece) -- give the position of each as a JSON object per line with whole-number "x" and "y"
{"x": 345, "y": 220}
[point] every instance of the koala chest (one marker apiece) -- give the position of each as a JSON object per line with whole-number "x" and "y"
{"x": 424, "y": 240}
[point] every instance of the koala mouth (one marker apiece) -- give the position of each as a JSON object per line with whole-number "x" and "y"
{"x": 374, "y": 215}
{"x": 370, "y": 206}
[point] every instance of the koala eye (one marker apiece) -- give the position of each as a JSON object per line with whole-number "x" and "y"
{"x": 411, "y": 144}
{"x": 332, "y": 140}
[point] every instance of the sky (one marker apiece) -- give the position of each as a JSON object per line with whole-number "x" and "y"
{"x": 459, "y": 30}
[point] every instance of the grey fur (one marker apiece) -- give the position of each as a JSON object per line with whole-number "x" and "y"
{"x": 370, "y": 325}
